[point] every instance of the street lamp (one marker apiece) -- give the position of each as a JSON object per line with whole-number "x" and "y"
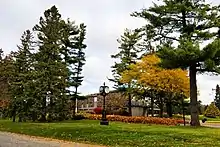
{"x": 104, "y": 90}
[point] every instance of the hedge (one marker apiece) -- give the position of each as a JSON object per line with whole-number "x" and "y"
{"x": 138, "y": 119}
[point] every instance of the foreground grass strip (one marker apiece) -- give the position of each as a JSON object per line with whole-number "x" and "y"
{"x": 118, "y": 134}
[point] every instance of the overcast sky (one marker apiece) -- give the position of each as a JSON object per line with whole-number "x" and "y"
{"x": 105, "y": 20}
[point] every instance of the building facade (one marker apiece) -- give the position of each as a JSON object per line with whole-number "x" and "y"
{"x": 115, "y": 100}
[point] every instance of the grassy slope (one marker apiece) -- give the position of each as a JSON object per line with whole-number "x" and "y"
{"x": 118, "y": 134}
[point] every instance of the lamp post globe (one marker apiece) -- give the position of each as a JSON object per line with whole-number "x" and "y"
{"x": 104, "y": 90}
{"x": 101, "y": 88}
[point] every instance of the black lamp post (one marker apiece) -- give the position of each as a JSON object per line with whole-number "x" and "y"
{"x": 104, "y": 90}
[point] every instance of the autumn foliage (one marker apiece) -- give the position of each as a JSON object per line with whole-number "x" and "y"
{"x": 147, "y": 73}
{"x": 137, "y": 119}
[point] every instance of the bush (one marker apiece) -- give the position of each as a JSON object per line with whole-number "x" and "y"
{"x": 177, "y": 116}
{"x": 49, "y": 117}
{"x": 98, "y": 110}
{"x": 79, "y": 117}
{"x": 122, "y": 112}
{"x": 212, "y": 111}
{"x": 165, "y": 115}
{"x": 180, "y": 121}
{"x": 90, "y": 111}
{"x": 137, "y": 119}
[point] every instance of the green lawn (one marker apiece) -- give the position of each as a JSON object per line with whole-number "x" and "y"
{"x": 118, "y": 134}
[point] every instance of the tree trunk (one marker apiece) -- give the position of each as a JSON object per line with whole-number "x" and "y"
{"x": 34, "y": 116}
{"x": 43, "y": 115}
{"x": 161, "y": 112}
{"x": 14, "y": 113}
{"x": 73, "y": 108}
{"x": 161, "y": 105}
{"x": 20, "y": 118}
{"x": 193, "y": 97}
{"x": 169, "y": 109}
{"x": 147, "y": 112}
{"x": 152, "y": 106}
{"x": 144, "y": 111}
{"x": 129, "y": 104}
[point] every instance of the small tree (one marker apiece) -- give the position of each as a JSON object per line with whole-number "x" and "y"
{"x": 167, "y": 84}
{"x": 212, "y": 111}
{"x": 217, "y": 96}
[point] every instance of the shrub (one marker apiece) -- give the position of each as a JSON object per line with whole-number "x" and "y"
{"x": 165, "y": 115}
{"x": 79, "y": 117}
{"x": 180, "y": 121}
{"x": 121, "y": 112}
{"x": 212, "y": 111}
{"x": 98, "y": 110}
{"x": 137, "y": 119}
{"x": 49, "y": 117}
{"x": 90, "y": 111}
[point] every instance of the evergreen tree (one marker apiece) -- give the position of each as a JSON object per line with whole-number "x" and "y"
{"x": 74, "y": 58}
{"x": 22, "y": 80}
{"x": 180, "y": 26}
{"x": 79, "y": 56}
{"x": 129, "y": 50}
{"x": 217, "y": 96}
{"x": 212, "y": 111}
{"x": 4, "y": 77}
{"x": 6, "y": 63}
{"x": 50, "y": 69}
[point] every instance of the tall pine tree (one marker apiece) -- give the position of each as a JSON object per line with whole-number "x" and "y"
{"x": 50, "y": 69}
{"x": 79, "y": 55}
{"x": 4, "y": 77}
{"x": 22, "y": 80}
{"x": 74, "y": 58}
{"x": 181, "y": 25}
{"x": 128, "y": 53}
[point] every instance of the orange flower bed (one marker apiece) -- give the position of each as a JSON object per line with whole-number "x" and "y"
{"x": 137, "y": 119}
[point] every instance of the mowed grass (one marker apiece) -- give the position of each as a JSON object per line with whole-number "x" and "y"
{"x": 118, "y": 134}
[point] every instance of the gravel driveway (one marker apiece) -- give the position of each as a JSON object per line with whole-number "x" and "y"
{"x": 15, "y": 140}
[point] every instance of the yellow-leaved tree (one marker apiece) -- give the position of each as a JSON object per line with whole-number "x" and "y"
{"x": 149, "y": 75}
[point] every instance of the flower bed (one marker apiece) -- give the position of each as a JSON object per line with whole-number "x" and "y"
{"x": 137, "y": 119}
{"x": 180, "y": 121}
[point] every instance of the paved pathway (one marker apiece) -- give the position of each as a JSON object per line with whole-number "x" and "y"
{"x": 213, "y": 125}
{"x": 15, "y": 140}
